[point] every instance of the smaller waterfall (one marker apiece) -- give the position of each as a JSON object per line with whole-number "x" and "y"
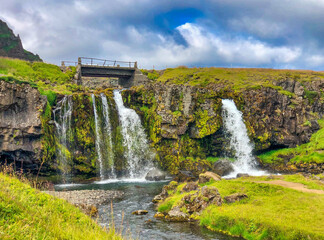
{"x": 98, "y": 138}
{"x": 110, "y": 153}
{"x": 62, "y": 120}
{"x": 137, "y": 152}
{"x": 235, "y": 129}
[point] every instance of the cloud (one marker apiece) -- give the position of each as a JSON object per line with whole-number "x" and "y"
{"x": 257, "y": 33}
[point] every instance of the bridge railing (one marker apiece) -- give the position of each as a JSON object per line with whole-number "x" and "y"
{"x": 106, "y": 63}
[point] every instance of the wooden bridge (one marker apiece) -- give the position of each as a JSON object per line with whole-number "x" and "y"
{"x": 99, "y": 70}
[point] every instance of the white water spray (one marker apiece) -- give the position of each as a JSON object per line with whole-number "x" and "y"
{"x": 235, "y": 129}
{"x": 137, "y": 152}
{"x": 110, "y": 154}
{"x": 98, "y": 138}
{"x": 62, "y": 120}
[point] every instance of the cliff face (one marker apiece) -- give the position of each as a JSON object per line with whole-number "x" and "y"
{"x": 185, "y": 123}
{"x": 20, "y": 124}
{"x": 11, "y": 46}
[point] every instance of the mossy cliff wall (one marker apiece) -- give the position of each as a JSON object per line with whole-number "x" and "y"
{"x": 80, "y": 152}
{"x": 184, "y": 122}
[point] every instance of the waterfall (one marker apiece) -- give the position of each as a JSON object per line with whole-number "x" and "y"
{"x": 235, "y": 129}
{"x": 110, "y": 153}
{"x": 98, "y": 138}
{"x": 62, "y": 119}
{"x": 137, "y": 150}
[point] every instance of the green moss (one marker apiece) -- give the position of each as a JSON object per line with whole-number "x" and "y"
{"x": 312, "y": 152}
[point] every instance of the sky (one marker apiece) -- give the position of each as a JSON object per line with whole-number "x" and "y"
{"x": 283, "y": 34}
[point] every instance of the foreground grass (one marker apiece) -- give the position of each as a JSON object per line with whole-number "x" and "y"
{"x": 311, "y": 152}
{"x": 26, "y": 213}
{"x": 270, "y": 212}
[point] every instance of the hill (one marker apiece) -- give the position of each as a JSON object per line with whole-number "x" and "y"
{"x": 11, "y": 46}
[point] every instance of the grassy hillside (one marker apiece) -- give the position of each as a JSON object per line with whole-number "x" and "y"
{"x": 26, "y": 213}
{"x": 237, "y": 78}
{"x": 269, "y": 212}
{"x": 46, "y": 77}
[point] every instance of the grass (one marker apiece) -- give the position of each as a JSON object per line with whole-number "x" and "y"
{"x": 46, "y": 77}
{"x": 311, "y": 152}
{"x": 269, "y": 212}
{"x": 236, "y": 78}
{"x": 26, "y": 213}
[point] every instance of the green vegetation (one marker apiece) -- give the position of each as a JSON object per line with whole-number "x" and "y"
{"x": 311, "y": 152}
{"x": 269, "y": 212}
{"x": 235, "y": 78}
{"x": 48, "y": 78}
{"x": 26, "y": 213}
{"x": 151, "y": 74}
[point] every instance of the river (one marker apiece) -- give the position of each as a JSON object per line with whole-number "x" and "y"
{"x": 138, "y": 195}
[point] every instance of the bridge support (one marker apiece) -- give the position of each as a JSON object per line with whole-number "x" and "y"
{"x": 108, "y": 73}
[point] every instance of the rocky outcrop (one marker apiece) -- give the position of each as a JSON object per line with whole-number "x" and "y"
{"x": 223, "y": 167}
{"x": 185, "y": 124}
{"x": 20, "y": 124}
{"x": 11, "y": 46}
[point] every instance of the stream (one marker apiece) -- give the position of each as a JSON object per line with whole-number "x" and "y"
{"x": 139, "y": 195}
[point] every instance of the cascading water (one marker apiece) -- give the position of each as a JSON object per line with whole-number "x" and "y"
{"x": 235, "y": 129}
{"x": 137, "y": 152}
{"x": 98, "y": 138}
{"x": 110, "y": 154}
{"x": 62, "y": 120}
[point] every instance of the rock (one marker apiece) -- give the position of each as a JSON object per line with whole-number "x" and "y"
{"x": 20, "y": 125}
{"x": 164, "y": 194}
{"x": 155, "y": 175}
{"x": 140, "y": 212}
{"x": 196, "y": 202}
{"x": 176, "y": 215}
{"x": 207, "y": 176}
{"x": 184, "y": 176}
{"x": 190, "y": 186}
{"x": 223, "y": 167}
{"x": 239, "y": 175}
{"x": 159, "y": 215}
{"x": 212, "y": 194}
{"x": 235, "y": 197}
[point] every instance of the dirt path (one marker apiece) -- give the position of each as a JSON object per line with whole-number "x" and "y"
{"x": 296, "y": 186}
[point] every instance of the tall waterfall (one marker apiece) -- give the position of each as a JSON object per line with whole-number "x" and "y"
{"x": 62, "y": 120}
{"x": 108, "y": 138}
{"x": 137, "y": 150}
{"x": 98, "y": 138}
{"x": 235, "y": 129}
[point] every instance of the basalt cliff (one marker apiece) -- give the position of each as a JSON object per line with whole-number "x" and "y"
{"x": 183, "y": 122}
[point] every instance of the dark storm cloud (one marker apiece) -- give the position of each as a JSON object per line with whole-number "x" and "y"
{"x": 252, "y": 33}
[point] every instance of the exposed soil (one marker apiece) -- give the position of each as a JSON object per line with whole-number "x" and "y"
{"x": 296, "y": 186}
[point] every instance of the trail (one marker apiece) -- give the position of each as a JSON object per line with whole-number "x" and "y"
{"x": 296, "y": 186}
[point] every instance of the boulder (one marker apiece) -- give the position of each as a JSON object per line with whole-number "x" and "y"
{"x": 164, "y": 194}
{"x": 235, "y": 197}
{"x": 184, "y": 176}
{"x": 223, "y": 167}
{"x": 190, "y": 186}
{"x": 159, "y": 215}
{"x": 176, "y": 215}
{"x": 239, "y": 175}
{"x": 140, "y": 212}
{"x": 198, "y": 201}
{"x": 155, "y": 175}
{"x": 207, "y": 176}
